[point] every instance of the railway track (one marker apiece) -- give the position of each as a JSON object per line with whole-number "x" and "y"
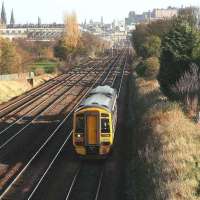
{"x": 46, "y": 140}
{"x": 83, "y": 180}
{"x": 13, "y": 130}
{"x": 53, "y": 172}
{"x": 87, "y": 171}
{"x": 26, "y": 99}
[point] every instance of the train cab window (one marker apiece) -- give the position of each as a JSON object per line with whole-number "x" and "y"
{"x": 105, "y": 126}
{"x": 104, "y": 115}
{"x": 80, "y": 124}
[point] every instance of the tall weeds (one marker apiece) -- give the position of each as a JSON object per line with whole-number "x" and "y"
{"x": 165, "y": 163}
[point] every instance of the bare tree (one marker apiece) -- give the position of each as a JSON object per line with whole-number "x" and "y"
{"x": 71, "y": 31}
{"x": 188, "y": 87}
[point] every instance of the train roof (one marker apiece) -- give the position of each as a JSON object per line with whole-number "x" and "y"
{"x": 107, "y": 90}
{"x": 101, "y": 96}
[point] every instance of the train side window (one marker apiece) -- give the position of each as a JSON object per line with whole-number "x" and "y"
{"x": 80, "y": 124}
{"x": 105, "y": 126}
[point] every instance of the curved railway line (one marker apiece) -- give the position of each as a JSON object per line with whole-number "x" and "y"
{"x": 28, "y": 173}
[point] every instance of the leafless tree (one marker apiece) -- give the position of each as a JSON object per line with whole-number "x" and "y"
{"x": 187, "y": 88}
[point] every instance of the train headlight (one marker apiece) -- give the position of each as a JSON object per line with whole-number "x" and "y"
{"x": 105, "y": 135}
{"x": 79, "y": 135}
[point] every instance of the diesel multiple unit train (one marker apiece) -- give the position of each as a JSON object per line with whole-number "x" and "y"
{"x": 94, "y": 122}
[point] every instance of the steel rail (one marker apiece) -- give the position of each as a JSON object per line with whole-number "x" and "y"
{"x": 33, "y": 92}
{"x": 102, "y": 171}
{"x": 73, "y": 181}
{"x": 122, "y": 77}
{"x": 31, "y": 110}
{"x": 44, "y": 110}
{"x": 36, "y": 90}
{"x": 34, "y": 99}
{"x": 99, "y": 185}
{"x": 46, "y": 142}
{"x": 68, "y": 78}
{"x": 45, "y": 173}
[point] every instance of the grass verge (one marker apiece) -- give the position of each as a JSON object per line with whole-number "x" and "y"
{"x": 164, "y": 160}
{"x": 48, "y": 66}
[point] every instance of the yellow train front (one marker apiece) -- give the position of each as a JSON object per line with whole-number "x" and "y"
{"x": 94, "y": 123}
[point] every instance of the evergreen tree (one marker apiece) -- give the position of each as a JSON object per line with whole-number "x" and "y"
{"x": 179, "y": 49}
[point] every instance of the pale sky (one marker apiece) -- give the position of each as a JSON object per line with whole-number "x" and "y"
{"x": 53, "y": 10}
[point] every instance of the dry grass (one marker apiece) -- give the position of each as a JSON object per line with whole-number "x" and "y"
{"x": 10, "y": 89}
{"x": 168, "y": 147}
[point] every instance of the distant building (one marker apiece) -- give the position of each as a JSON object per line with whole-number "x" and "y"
{"x": 3, "y": 15}
{"x": 113, "y": 32}
{"x": 145, "y": 17}
{"x": 3, "y": 19}
{"x": 134, "y": 18}
{"x": 164, "y": 13}
{"x": 12, "y": 19}
{"x": 39, "y": 22}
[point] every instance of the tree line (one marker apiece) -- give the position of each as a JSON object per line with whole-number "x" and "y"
{"x": 170, "y": 51}
{"x": 70, "y": 48}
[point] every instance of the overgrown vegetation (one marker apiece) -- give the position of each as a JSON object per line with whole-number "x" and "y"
{"x": 177, "y": 46}
{"x": 148, "y": 68}
{"x": 10, "y": 60}
{"x": 165, "y": 161}
{"x": 180, "y": 48}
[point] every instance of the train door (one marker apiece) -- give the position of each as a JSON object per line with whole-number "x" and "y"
{"x": 92, "y": 128}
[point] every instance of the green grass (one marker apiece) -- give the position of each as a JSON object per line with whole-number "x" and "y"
{"x": 49, "y": 66}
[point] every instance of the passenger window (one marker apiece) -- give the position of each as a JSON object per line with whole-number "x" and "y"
{"x": 80, "y": 124}
{"x": 105, "y": 127}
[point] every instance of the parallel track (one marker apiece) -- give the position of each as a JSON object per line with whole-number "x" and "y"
{"x": 18, "y": 188}
{"x": 27, "y": 98}
{"x": 76, "y": 188}
{"x": 2, "y": 196}
{"x": 7, "y": 135}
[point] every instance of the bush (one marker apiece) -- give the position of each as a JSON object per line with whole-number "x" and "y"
{"x": 152, "y": 66}
{"x": 140, "y": 69}
{"x": 167, "y": 143}
{"x": 39, "y": 71}
{"x": 148, "y": 68}
{"x": 151, "y": 47}
{"x": 179, "y": 50}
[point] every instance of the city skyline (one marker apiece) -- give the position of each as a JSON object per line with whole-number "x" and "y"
{"x": 25, "y": 11}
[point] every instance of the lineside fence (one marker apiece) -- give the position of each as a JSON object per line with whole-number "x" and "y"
{"x": 20, "y": 76}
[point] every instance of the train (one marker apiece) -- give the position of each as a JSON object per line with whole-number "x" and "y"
{"x": 94, "y": 123}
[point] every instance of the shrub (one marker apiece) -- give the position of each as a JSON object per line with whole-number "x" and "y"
{"x": 148, "y": 68}
{"x": 39, "y": 71}
{"x": 140, "y": 69}
{"x": 165, "y": 147}
{"x": 151, "y": 47}
{"x": 152, "y": 66}
{"x": 179, "y": 48}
